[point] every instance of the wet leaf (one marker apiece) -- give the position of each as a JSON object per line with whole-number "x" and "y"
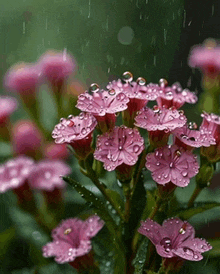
{"x": 185, "y": 214}
{"x": 139, "y": 260}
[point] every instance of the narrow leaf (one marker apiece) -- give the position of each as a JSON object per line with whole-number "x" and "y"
{"x": 199, "y": 208}
{"x": 139, "y": 260}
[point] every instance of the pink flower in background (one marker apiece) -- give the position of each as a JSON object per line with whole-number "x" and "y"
{"x": 56, "y": 151}
{"x": 211, "y": 124}
{"x": 46, "y": 175}
{"x": 15, "y": 172}
{"x": 172, "y": 164}
{"x": 118, "y": 146}
{"x": 56, "y": 66}
{"x": 160, "y": 119}
{"x": 175, "y": 238}
{"x": 22, "y": 78}
{"x": 26, "y": 138}
{"x": 206, "y": 57}
{"x": 7, "y": 106}
{"x": 102, "y": 102}
{"x": 72, "y": 239}
{"x": 174, "y": 96}
{"x": 191, "y": 138}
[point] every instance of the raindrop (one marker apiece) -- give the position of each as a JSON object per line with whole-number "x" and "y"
{"x": 182, "y": 230}
{"x": 136, "y": 148}
{"x": 141, "y": 81}
{"x": 127, "y": 76}
{"x": 192, "y": 125}
{"x": 94, "y": 87}
{"x": 70, "y": 116}
{"x": 83, "y": 131}
{"x": 163, "y": 82}
{"x": 111, "y": 92}
{"x": 61, "y": 120}
{"x": 184, "y": 173}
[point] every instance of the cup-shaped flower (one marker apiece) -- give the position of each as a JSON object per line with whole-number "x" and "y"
{"x": 172, "y": 164}
{"x": 72, "y": 239}
{"x": 174, "y": 96}
{"x": 159, "y": 122}
{"x": 14, "y": 173}
{"x": 46, "y": 175}
{"x": 121, "y": 145}
{"x": 191, "y": 138}
{"x": 76, "y": 131}
{"x": 206, "y": 57}
{"x": 56, "y": 66}
{"x": 56, "y": 151}
{"x": 175, "y": 238}
{"x": 211, "y": 123}
{"x": 7, "y": 106}
{"x": 103, "y": 105}
{"x": 26, "y": 138}
{"x": 22, "y": 78}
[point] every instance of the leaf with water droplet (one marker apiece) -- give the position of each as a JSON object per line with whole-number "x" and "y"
{"x": 139, "y": 260}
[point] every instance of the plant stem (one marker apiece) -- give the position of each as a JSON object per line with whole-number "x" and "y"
{"x": 92, "y": 175}
{"x": 127, "y": 193}
{"x": 195, "y": 194}
{"x": 156, "y": 208}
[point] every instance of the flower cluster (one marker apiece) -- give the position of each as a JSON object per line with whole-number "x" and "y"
{"x": 43, "y": 175}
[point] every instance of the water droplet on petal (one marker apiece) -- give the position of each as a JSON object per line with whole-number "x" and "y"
{"x": 83, "y": 131}
{"x": 163, "y": 82}
{"x": 127, "y": 76}
{"x": 136, "y": 148}
{"x": 67, "y": 231}
{"x": 111, "y": 92}
{"x": 184, "y": 173}
{"x": 141, "y": 81}
{"x": 94, "y": 87}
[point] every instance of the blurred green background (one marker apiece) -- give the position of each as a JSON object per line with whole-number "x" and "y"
{"x": 149, "y": 38}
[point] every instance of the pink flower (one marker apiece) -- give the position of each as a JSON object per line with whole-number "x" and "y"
{"x": 211, "y": 124}
{"x": 76, "y": 131}
{"x": 26, "y": 138}
{"x": 160, "y": 119}
{"x": 175, "y": 238}
{"x": 15, "y": 172}
{"x": 7, "y": 106}
{"x": 118, "y": 146}
{"x": 191, "y": 138}
{"x": 56, "y": 66}
{"x": 206, "y": 57}
{"x": 22, "y": 78}
{"x": 172, "y": 164}
{"x": 46, "y": 175}
{"x": 102, "y": 102}
{"x": 72, "y": 239}
{"x": 137, "y": 92}
{"x": 174, "y": 96}
{"x": 56, "y": 151}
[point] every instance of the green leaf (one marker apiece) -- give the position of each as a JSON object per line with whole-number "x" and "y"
{"x": 97, "y": 203}
{"x": 199, "y": 208}
{"x": 6, "y": 238}
{"x": 116, "y": 197}
{"x": 139, "y": 260}
{"x": 151, "y": 203}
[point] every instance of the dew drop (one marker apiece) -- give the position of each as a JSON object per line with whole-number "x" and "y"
{"x": 127, "y": 76}
{"x": 67, "y": 231}
{"x": 141, "y": 81}
{"x": 163, "y": 82}
{"x": 83, "y": 131}
{"x": 111, "y": 92}
{"x": 94, "y": 87}
{"x": 136, "y": 148}
{"x": 192, "y": 125}
{"x": 182, "y": 230}
{"x": 184, "y": 173}
{"x": 70, "y": 116}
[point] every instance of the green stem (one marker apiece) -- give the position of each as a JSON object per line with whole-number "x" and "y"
{"x": 156, "y": 208}
{"x": 127, "y": 193}
{"x": 195, "y": 194}
{"x": 92, "y": 175}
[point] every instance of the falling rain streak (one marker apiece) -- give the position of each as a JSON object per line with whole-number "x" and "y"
{"x": 165, "y": 36}
{"x": 24, "y": 27}
{"x": 89, "y": 8}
